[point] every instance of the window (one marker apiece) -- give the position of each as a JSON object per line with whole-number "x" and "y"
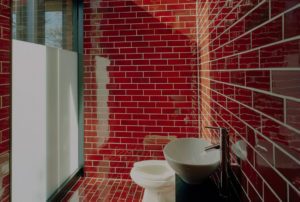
{"x": 47, "y": 22}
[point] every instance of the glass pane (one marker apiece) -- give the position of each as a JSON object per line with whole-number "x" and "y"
{"x": 47, "y": 22}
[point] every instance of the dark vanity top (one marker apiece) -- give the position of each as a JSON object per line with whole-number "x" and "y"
{"x": 205, "y": 192}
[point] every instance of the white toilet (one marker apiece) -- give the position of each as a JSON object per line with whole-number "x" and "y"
{"x": 157, "y": 178}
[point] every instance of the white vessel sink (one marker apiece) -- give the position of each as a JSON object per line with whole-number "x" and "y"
{"x": 187, "y": 158}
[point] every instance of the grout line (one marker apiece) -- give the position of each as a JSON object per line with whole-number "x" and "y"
{"x": 271, "y": 82}
{"x": 211, "y": 22}
{"x": 271, "y": 141}
{"x": 284, "y": 111}
{"x": 283, "y": 177}
{"x": 254, "y": 49}
{"x": 238, "y": 4}
{"x": 283, "y": 22}
{"x": 251, "y": 41}
{"x": 241, "y": 185}
{"x": 259, "y": 58}
{"x": 252, "y": 69}
{"x": 252, "y": 99}
{"x": 197, "y": 65}
{"x": 270, "y": 10}
{"x": 274, "y": 153}
{"x": 271, "y": 189}
{"x": 260, "y": 91}
{"x": 249, "y": 182}
{"x": 244, "y": 16}
{"x": 288, "y": 193}
{"x": 249, "y": 31}
{"x": 263, "y": 190}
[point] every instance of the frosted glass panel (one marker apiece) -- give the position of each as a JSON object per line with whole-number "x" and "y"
{"x": 28, "y": 122}
{"x": 45, "y": 120}
{"x": 62, "y": 144}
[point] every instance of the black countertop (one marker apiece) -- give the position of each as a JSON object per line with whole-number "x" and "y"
{"x": 205, "y": 192}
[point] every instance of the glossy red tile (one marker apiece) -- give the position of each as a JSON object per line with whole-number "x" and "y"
{"x": 257, "y": 16}
{"x": 294, "y": 194}
{"x": 272, "y": 178}
{"x": 291, "y": 23}
{"x": 278, "y": 6}
{"x": 243, "y": 43}
{"x": 243, "y": 95}
{"x": 258, "y": 79}
{"x": 286, "y": 83}
{"x": 253, "y": 176}
{"x": 270, "y": 105}
{"x": 168, "y": 82}
{"x": 237, "y": 29}
{"x": 5, "y": 95}
{"x": 269, "y": 195}
{"x": 238, "y": 78}
{"x": 281, "y": 55}
{"x": 293, "y": 114}
{"x": 268, "y": 33}
{"x": 250, "y": 116}
{"x": 249, "y": 60}
{"x": 95, "y": 189}
{"x": 232, "y": 63}
{"x": 287, "y": 166}
{"x": 252, "y": 193}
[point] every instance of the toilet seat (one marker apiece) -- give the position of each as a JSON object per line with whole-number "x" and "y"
{"x": 157, "y": 178}
{"x": 153, "y": 170}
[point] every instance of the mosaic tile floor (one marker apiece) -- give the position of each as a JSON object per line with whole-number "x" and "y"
{"x": 104, "y": 190}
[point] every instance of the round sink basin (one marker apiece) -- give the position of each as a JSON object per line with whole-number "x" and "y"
{"x": 186, "y": 156}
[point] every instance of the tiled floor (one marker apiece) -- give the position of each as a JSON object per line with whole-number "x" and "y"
{"x": 104, "y": 190}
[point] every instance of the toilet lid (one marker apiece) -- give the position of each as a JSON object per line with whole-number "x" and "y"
{"x": 153, "y": 170}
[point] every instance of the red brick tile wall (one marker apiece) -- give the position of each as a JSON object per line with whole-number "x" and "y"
{"x": 249, "y": 76}
{"x": 148, "y": 94}
{"x": 5, "y": 84}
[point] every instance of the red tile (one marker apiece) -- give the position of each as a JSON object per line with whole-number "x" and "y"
{"x": 286, "y": 83}
{"x": 251, "y": 117}
{"x": 269, "y": 196}
{"x": 293, "y": 114}
{"x": 243, "y": 43}
{"x": 257, "y": 17}
{"x": 252, "y": 193}
{"x": 268, "y": 33}
{"x": 238, "y": 78}
{"x": 159, "y": 62}
{"x": 232, "y": 63}
{"x": 291, "y": 23}
{"x": 249, "y": 60}
{"x": 293, "y": 194}
{"x": 270, "y": 105}
{"x": 278, "y": 6}
{"x": 258, "y": 79}
{"x": 271, "y": 177}
{"x": 253, "y": 176}
{"x": 237, "y": 30}
{"x": 287, "y": 166}
{"x": 281, "y": 55}
{"x": 243, "y": 95}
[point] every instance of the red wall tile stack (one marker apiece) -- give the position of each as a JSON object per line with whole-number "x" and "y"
{"x": 5, "y": 72}
{"x": 248, "y": 63}
{"x": 249, "y": 82}
{"x": 152, "y": 85}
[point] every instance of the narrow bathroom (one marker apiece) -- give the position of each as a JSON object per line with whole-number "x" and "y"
{"x": 150, "y": 100}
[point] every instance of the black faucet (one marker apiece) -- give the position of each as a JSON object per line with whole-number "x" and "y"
{"x": 223, "y": 145}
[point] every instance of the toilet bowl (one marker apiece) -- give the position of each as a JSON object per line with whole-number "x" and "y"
{"x": 157, "y": 178}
